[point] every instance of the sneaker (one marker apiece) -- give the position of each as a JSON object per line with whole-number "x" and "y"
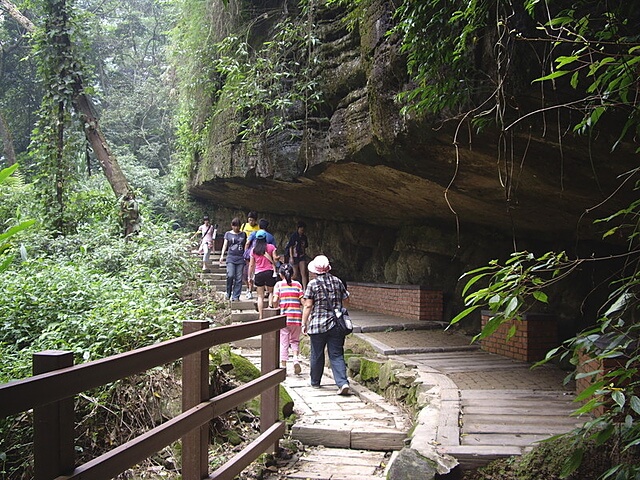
{"x": 344, "y": 389}
{"x": 249, "y": 296}
{"x": 313, "y": 386}
{"x": 296, "y": 368}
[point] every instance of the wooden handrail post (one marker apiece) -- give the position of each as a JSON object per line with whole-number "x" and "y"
{"x": 269, "y": 400}
{"x": 53, "y": 424}
{"x": 195, "y": 389}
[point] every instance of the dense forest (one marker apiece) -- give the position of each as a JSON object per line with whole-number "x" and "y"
{"x": 106, "y": 105}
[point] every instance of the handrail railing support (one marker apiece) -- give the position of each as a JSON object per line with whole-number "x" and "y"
{"x": 195, "y": 389}
{"x": 269, "y": 400}
{"x": 53, "y": 424}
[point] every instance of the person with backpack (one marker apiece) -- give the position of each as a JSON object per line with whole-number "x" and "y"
{"x": 297, "y": 253}
{"x": 287, "y": 295}
{"x": 234, "y": 241}
{"x": 251, "y": 226}
{"x": 262, "y": 268}
{"x": 323, "y": 300}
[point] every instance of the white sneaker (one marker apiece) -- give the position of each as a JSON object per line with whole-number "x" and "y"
{"x": 344, "y": 389}
{"x": 248, "y": 295}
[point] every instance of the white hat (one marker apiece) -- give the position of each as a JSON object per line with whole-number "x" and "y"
{"x": 319, "y": 265}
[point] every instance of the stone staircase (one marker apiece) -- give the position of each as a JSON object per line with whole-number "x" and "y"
{"x": 344, "y": 437}
{"x": 244, "y": 310}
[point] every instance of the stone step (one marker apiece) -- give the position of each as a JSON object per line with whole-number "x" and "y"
{"x": 244, "y": 316}
{"x": 339, "y": 463}
{"x": 252, "y": 343}
{"x": 360, "y": 420}
{"x": 244, "y": 304}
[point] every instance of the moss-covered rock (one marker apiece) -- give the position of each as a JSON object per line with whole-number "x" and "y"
{"x": 241, "y": 370}
{"x": 388, "y": 374}
{"x": 370, "y": 369}
{"x": 353, "y": 364}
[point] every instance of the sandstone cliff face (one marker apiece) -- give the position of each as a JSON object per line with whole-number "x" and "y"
{"x": 390, "y": 199}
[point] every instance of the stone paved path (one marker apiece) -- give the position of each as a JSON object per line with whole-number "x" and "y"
{"x": 348, "y": 437}
{"x": 482, "y": 406}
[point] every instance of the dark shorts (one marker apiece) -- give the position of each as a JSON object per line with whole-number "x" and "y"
{"x": 297, "y": 260}
{"x": 265, "y": 278}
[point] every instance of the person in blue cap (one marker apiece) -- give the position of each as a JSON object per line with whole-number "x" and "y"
{"x": 262, "y": 268}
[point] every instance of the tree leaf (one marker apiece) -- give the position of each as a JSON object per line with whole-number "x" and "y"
{"x": 618, "y": 397}
{"x": 463, "y": 314}
{"x": 551, "y": 76}
{"x": 541, "y": 296}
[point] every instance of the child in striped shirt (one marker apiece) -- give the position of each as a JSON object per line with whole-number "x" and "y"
{"x": 287, "y": 295}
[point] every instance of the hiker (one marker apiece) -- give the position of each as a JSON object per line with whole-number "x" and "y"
{"x": 262, "y": 268}
{"x": 263, "y": 224}
{"x": 234, "y": 241}
{"x": 208, "y": 233}
{"x": 287, "y": 295}
{"x": 296, "y": 251}
{"x": 323, "y": 296}
{"x": 248, "y": 228}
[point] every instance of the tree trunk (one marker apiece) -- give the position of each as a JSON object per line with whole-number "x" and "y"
{"x": 7, "y": 142}
{"x": 110, "y": 166}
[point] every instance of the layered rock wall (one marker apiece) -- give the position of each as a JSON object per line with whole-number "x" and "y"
{"x": 394, "y": 200}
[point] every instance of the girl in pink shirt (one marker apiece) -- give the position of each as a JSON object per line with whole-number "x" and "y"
{"x": 263, "y": 266}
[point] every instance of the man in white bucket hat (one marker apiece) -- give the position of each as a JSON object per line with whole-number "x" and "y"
{"x": 324, "y": 295}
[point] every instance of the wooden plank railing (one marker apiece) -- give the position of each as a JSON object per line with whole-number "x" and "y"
{"x": 51, "y": 390}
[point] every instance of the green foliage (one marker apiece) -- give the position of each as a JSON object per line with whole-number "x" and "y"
{"x": 55, "y": 142}
{"x": 7, "y": 236}
{"x": 200, "y": 26}
{"x": 263, "y": 88}
{"x": 256, "y": 87}
{"x": 439, "y": 38}
{"x": 513, "y": 288}
{"x": 547, "y": 460}
{"x": 594, "y": 49}
{"x": 20, "y": 92}
{"x": 129, "y": 42}
{"x": 93, "y": 295}
{"x": 603, "y": 60}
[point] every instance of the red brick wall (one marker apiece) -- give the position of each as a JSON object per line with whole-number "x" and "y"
{"x": 408, "y": 301}
{"x": 587, "y": 364}
{"x": 535, "y": 336}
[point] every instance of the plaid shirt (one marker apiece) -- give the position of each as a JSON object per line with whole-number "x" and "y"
{"x": 327, "y": 293}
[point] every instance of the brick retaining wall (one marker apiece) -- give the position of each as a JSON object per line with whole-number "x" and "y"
{"x": 588, "y": 364}
{"x": 536, "y": 334}
{"x": 407, "y": 301}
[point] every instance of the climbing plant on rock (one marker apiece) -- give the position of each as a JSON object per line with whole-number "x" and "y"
{"x": 257, "y": 87}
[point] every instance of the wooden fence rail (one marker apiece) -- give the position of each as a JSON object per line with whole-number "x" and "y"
{"x": 51, "y": 390}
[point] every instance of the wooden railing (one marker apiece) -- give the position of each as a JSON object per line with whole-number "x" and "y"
{"x": 51, "y": 390}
